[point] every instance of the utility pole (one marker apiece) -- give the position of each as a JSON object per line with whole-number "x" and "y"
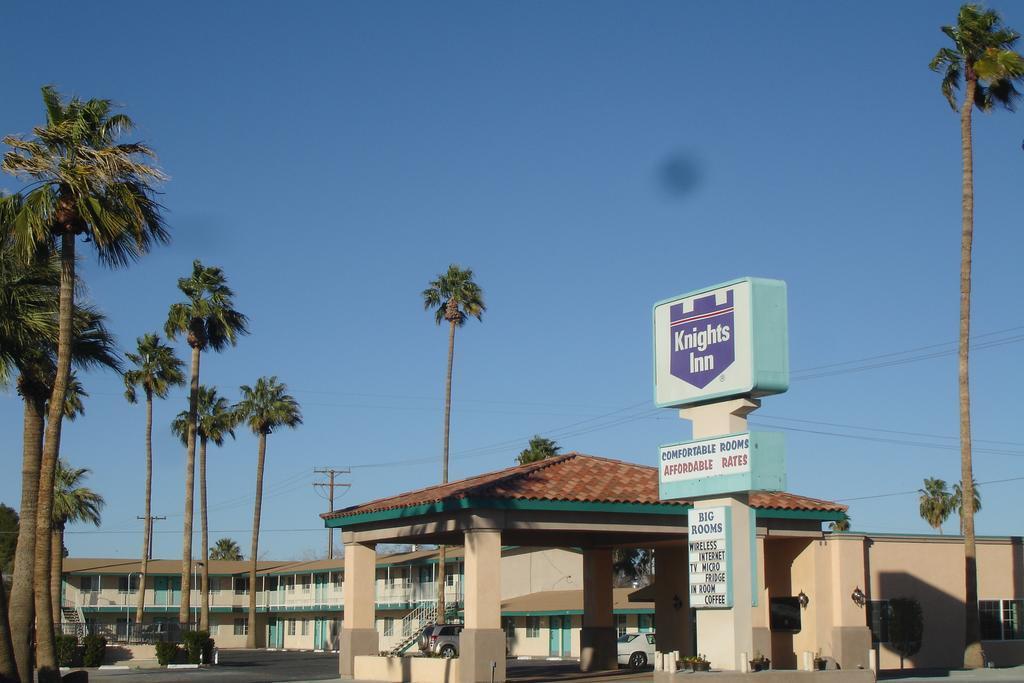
{"x": 329, "y": 486}
{"x": 149, "y": 522}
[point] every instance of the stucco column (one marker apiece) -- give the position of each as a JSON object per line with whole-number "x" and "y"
{"x": 597, "y": 637}
{"x": 851, "y": 638}
{"x": 726, "y": 636}
{"x": 762, "y": 636}
{"x": 482, "y": 641}
{"x": 672, "y": 601}
{"x": 358, "y": 630}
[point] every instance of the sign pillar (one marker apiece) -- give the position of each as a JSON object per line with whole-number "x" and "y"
{"x": 728, "y": 634}
{"x": 716, "y": 351}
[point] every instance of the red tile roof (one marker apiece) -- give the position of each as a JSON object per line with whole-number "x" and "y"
{"x": 572, "y": 477}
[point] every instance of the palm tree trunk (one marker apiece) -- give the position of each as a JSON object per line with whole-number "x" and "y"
{"x": 190, "y": 469}
{"x": 22, "y": 609}
{"x": 204, "y": 593}
{"x": 973, "y": 655}
{"x": 56, "y": 568}
{"x": 442, "y": 554}
{"x": 8, "y": 666}
{"x": 46, "y": 653}
{"x": 140, "y": 604}
{"x": 250, "y": 639}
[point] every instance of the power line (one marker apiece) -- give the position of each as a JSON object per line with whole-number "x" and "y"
{"x": 906, "y": 493}
{"x": 329, "y": 487}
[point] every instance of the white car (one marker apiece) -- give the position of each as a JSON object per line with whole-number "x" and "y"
{"x": 635, "y": 650}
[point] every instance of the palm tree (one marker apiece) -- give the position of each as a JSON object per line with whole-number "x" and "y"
{"x": 265, "y": 406}
{"x": 156, "y": 370}
{"x": 225, "y": 549}
{"x": 539, "y": 448}
{"x": 81, "y": 182}
{"x": 983, "y": 59}
{"x": 72, "y": 503}
{"x": 209, "y": 321}
{"x": 934, "y": 501}
{"x": 28, "y": 337}
{"x": 454, "y": 297}
{"x": 215, "y": 420}
{"x": 956, "y": 501}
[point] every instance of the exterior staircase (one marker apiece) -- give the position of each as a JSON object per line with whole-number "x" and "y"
{"x": 72, "y": 621}
{"x": 413, "y": 623}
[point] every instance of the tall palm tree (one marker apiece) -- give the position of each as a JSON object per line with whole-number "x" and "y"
{"x": 80, "y": 182}
{"x": 225, "y": 549}
{"x": 982, "y": 58}
{"x": 28, "y": 338}
{"x": 215, "y": 420}
{"x": 453, "y": 297}
{"x": 72, "y": 503}
{"x": 156, "y": 370}
{"x": 956, "y": 501}
{"x": 934, "y": 503}
{"x": 208, "y": 320}
{"x": 264, "y": 407}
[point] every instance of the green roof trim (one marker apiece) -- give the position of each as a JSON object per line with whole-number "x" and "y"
{"x": 452, "y": 505}
{"x": 571, "y": 612}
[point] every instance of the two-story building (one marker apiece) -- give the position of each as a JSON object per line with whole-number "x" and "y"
{"x": 300, "y": 606}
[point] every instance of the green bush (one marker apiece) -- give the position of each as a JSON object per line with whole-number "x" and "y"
{"x": 197, "y": 642}
{"x": 166, "y": 653}
{"x": 95, "y": 650}
{"x": 68, "y": 652}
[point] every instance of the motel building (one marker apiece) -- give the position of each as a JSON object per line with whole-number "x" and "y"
{"x": 530, "y": 574}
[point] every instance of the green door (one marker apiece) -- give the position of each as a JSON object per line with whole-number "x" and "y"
{"x": 160, "y": 590}
{"x": 274, "y": 633}
{"x": 320, "y": 634}
{"x": 320, "y": 588}
{"x": 560, "y": 636}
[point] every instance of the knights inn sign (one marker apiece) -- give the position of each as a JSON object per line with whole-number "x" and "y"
{"x": 720, "y": 342}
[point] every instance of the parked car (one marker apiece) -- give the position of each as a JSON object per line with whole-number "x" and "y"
{"x": 635, "y": 649}
{"x": 441, "y": 639}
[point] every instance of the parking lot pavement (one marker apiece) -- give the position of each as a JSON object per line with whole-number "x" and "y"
{"x": 936, "y": 675}
{"x": 236, "y": 666}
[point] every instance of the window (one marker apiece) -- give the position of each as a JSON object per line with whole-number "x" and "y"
{"x": 628, "y": 637}
{"x": 305, "y": 584}
{"x": 305, "y": 627}
{"x": 241, "y": 584}
{"x": 214, "y": 588}
{"x": 650, "y": 639}
{"x": 90, "y": 584}
{"x": 291, "y": 627}
{"x": 645, "y": 622}
{"x": 879, "y": 614}
{"x": 426, "y": 573}
{"x": 242, "y": 627}
{"x": 784, "y": 614}
{"x": 127, "y": 584}
{"x": 533, "y": 627}
{"x": 508, "y": 625}
{"x": 336, "y": 579}
{"x": 213, "y": 629}
{"x": 389, "y": 626}
{"x": 1001, "y": 619}
{"x": 620, "y": 624}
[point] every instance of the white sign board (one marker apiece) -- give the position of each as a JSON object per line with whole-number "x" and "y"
{"x": 710, "y": 558}
{"x": 706, "y": 458}
{"x": 719, "y": 342}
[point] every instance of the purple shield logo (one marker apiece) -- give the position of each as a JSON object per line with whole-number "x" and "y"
{"x": 703, "y": 343}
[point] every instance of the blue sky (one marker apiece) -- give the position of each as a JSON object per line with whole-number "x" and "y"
{"x": 586, "y": 160}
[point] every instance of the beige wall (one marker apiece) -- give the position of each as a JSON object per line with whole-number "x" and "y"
{"x": 525, "y": 571}
{"x": 931, "y": 570}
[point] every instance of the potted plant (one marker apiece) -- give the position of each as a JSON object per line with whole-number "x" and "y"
{"x": 760, "y": 662}
{"x": 701, "y": 663}
{"x": 819, "y": 661}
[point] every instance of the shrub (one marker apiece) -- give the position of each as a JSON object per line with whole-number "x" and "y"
{"x": 197, "y": 642}
{"x": 95, "y": 650}
{"x": 68, "y": 652}
{"x": 166, "y": 653}
{"x": 906, "y": 627}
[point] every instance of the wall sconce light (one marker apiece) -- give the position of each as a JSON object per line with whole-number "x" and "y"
{"x": 677, "y": 602}
{"x": 803, "y": 599}
{"x": 859, "y": 597}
